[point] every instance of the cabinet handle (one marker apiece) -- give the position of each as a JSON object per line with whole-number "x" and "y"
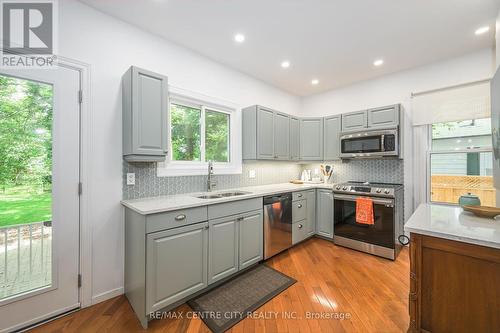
{"x": 300, "y": 226}
{"x": 206, "y": 227}
{"x": 180, "y": 217}
{"x": 299, "y": 195}
{"x": 239, "y": 218}
{"x": 299, "y": 205}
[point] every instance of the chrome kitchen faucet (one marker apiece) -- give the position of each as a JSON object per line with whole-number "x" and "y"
{"x": 211, "y": 184}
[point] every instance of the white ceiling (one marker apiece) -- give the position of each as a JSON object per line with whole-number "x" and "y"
{"x": 335, "y": 41}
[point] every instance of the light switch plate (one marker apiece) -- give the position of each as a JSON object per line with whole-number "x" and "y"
{"x": 130, "y": 178}
{"x": 251, "y": 173}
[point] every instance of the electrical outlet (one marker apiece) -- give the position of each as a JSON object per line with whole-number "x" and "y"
{"x": 130, "y": 178}
{"x": 251, "y": 173}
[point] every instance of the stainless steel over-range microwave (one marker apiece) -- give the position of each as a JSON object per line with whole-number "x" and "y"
{"x": 370, "y": 143}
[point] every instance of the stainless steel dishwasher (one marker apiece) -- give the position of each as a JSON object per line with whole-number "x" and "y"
{"x": 277, "y": 224}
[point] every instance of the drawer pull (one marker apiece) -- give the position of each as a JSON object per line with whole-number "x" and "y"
{"x": 206, "y": 227}
{"x": 239, "y": 218}
{"x": 300, "y": 226}
{"x": 299, "y": 195}
{"x": 299, "y": 205}
{"x": 180, "y": 217}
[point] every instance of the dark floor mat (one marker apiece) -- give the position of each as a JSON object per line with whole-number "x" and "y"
{"x": 226, "y": 305}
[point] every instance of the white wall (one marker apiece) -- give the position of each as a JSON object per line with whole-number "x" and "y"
{"x": 397, "y": 88}
{"x": 497, "y": 40}
{"x": 110, "y": 47}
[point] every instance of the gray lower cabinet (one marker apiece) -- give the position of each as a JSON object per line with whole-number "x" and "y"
{"x": 387, "y": 116}
{"x": 303, "y": 215}
{"x": 223, "y": 248}
{"x": 235, "y": 242}
{"x": 354, "y": 121}
{"x": 176, "y": 264}
{"x": 145, "y": 120}
{"x": 311, "y": 139}
{"x": 331, "y": 138}
{"x": 310, "y": 227}
{"x": 294, "y": 139}
{"x": 171, "y": 256}
{"x": 251, "y": 239}
{"x": 281, "y": 136}
{"x": 325, "y": 212}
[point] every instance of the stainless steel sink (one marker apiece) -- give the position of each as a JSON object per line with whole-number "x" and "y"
{"x": 220, "y": 195}
{"x": 209, "y": 196}
{"x": 232, "y": 193}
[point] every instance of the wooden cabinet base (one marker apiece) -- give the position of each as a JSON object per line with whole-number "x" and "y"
{"x": 454, "y": 286}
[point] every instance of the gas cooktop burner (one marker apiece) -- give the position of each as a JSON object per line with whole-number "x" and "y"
{"x": 366, "y": 188}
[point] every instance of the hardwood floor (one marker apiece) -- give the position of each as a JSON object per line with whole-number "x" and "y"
{"x": 370, "y": 292}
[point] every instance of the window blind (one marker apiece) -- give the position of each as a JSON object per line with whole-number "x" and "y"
{"x": 463, "y": 102}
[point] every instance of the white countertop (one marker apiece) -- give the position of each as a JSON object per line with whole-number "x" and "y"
{"x": 188, "y": 200}
{"x": 451, "y": 222}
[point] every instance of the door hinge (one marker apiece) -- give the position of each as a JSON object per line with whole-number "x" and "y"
{"x": 80, "y": 96}
{"x": 80, "y": 188}
{"x": 79, "y": 280}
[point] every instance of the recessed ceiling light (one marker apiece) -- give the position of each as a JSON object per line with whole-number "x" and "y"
{"x": 314, "y": 82}
{"x": 285, "y": 64}
{"x": 239, "y": 38}
{"x": 378, "y": 62}
{"x": 482, "y": 30}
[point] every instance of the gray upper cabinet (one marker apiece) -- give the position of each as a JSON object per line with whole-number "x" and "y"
{"x": 387, "y": 116}
{"x": 265, "y": 134}
{"x": 311, "y": 139}
{"x": 223, "y": 248}
{"x": 176, "y": 264}
{"x": 324, "y": 223}
{"x": 145, "y": 110}
{"x": 251, "y": 239}
{"x": 331, "y": 136}
{"x": 354, "y": 121}
{"x": 294, "y": 139}
{"x": 281, "y": 136}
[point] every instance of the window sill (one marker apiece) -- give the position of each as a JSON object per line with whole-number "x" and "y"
{"x": 175, "y": 170}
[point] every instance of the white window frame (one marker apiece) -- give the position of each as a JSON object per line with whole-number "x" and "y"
{"x": 431, "y": 152}
{"x": 171, "y": 168}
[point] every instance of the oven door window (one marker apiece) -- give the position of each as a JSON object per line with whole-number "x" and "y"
{"x": 367, "y": 144}
{"x": 380, "y": 233}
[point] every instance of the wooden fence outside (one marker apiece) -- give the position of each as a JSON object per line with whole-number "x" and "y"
{"x": 446, "y": 188}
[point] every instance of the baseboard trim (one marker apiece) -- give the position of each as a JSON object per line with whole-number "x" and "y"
{"x": 107, "y": 295}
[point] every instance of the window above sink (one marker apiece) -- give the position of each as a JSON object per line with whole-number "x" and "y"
{"x": 201, "y": 128}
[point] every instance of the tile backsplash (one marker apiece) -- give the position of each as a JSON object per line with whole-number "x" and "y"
{"x": 147, "y": 184}
{"x": 371, "y": 170}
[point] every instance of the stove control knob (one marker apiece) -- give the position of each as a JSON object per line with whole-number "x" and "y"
{"x": 387, "y": 191}
{"x": 337, "y": 187}
{"x": 344, "y": 188}
{"x": 378, "y": 190}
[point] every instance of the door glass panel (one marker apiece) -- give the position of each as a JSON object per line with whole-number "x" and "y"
{"x": 25, "y": 186}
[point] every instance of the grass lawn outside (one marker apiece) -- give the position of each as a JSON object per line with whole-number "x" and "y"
{"x": 20, "y": 205}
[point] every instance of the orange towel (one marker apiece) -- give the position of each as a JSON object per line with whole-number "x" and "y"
{"x": 364, "y": 211}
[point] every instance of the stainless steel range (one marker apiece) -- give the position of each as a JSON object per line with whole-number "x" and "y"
{"x": 380, "y": 238}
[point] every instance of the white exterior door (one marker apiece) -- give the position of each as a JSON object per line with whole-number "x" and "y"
{"x": 39, "y": 263}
